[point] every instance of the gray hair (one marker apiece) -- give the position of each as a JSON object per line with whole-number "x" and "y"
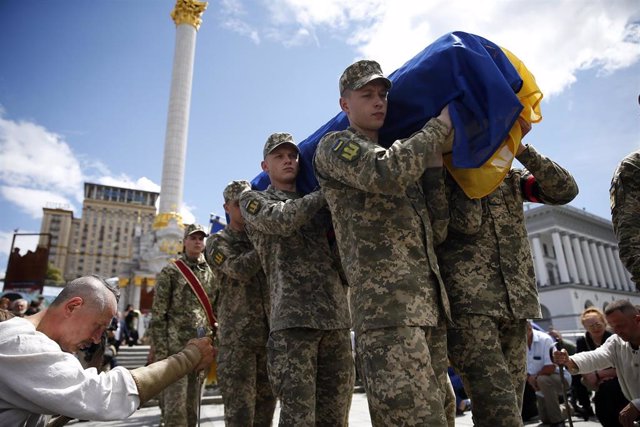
{"x": 622, "y": 305}
{"x": 93, "y": 289}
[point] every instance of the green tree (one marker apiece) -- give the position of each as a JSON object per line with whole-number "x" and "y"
{"x": 54, "y": 276}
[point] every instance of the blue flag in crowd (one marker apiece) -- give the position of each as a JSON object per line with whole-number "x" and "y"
{"x": 464, "y": 70}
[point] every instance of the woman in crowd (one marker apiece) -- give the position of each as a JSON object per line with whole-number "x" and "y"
{"x": 608, "y": 398}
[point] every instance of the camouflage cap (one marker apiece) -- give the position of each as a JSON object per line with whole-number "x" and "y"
{"x": 360, "y": 73}
{"x": 234, "y": 189}
{"x": 194, "y": 228}
{"x": 277, "y": 139}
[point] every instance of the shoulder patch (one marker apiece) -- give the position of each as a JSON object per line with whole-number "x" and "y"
{"x": 253, "y": 206}
{"x": 218, "y": 258}
{"x": 346, "y": 150}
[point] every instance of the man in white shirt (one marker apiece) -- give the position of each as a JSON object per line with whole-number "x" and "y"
{"x": 545, "y": 378}
{"x": 622, "y": 351}
{"x": 40, "y": 376}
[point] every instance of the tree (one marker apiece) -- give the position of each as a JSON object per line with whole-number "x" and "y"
{"x": 54, "y": 276}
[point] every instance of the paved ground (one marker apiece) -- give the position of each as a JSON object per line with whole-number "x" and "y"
{"x": 212, "y": 416}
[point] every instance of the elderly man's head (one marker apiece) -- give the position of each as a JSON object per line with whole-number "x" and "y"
{"x": 624, "y": 319}
{"x": 81, "y": 313}
{"x": 19, "y": 307}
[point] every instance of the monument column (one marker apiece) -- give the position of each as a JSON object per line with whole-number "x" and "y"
{"x": 165, "y": 241}
{"x": 186, "y": 16}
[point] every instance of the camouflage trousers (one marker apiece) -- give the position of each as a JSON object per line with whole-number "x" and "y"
{"x": 244, "y": 383}
{"x": 312, "y": 373}
{"x": 179, "y": 402}
{"x": 405, "y": 376}
{"x": 490, "y": 355}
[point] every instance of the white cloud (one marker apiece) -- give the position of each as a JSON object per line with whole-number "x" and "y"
{"x": 555, "y": 39}
{"x": 25, "y": 243}
{"x": 38, "y": 168}
{"x": 233, "y": 15}
{"x": 31, "y": 200}
{"x": 33, "y": 157}
{"x": 125, "y": 181}
{"x": 187, "y": 214}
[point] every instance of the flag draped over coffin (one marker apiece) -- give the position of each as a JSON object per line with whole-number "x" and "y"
{"x": 484, "y": 91}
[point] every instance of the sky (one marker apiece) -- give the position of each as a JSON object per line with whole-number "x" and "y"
{"x": 84, "y": 87}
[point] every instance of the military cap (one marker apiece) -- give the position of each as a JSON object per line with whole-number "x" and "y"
{"x": 194, "y": 228}
{"x": 360, "y": 73}
{"x": 277, "y": 139}
{"x": 234, "y": 189}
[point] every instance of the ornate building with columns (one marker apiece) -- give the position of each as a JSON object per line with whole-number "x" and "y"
{"x": 576, "y": 262}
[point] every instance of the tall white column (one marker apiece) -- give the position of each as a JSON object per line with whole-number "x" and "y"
{"x": 617, "y": 282}
{"x": 538, "y": 257}
{"x": 186, "y": 16}
{"x": 582, "y": 269}
{"x": 562, "y": 264}
{"x": 571, "y": 261}
{"x": 605, "y": 266}
{"x": 590, "y": 264}
{"x": 597, "y": 264}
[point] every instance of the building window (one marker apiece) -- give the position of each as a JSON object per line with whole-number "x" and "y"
{"x": 588, "y": 304}
{"x": 545, "y": 249}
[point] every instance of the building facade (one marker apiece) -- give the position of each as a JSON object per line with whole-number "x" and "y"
{"x": 102, "y": 239}
{"x": 576, "y": 262}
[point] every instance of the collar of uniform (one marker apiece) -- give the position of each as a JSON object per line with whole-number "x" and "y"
{"x": 281, "y": 194}
{"x": 236, "y": 234}
{"x": 360, "y": 134}
{"x": 198, "y": 262}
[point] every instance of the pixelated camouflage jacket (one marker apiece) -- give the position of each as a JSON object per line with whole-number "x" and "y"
{"x": 625, "y": 212}
{"x": 486, "y": 260}
{"x": 289, "y": 233}
{"x": 242, "y": 293}
{"x": 383, "y": 225}
{"x": 176, "y": 312}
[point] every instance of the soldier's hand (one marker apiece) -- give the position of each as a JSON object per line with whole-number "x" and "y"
{"x": 445, "y": 117}
{"x": 207, "y": 352}
{"x": 525, "y": 126}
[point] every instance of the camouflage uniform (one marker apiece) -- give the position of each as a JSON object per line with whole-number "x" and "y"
{"x": 177, "y": 314}
{"x": 242, "y": 308}
{"x": 309, "y": 348}
{"x": 625, "y": 212}
{"x": 488, "y": 269}
{"x": 386, "y": 232}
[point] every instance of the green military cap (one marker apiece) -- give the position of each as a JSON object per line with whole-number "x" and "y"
{"x": 277, "y": 139}
{"x": 360, "y": 73}
{"x": 234, "y": 189}
{"x": 194, "y": 228}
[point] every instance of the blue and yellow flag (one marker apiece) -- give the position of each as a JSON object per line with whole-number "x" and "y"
{"x": 471, "y": 74}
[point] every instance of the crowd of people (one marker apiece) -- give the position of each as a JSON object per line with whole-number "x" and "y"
{"x": 388, "y": 246}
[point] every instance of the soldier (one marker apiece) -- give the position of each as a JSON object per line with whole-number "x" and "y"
{"x": 378, "y": 198}
{"x": 242, "y": 306}
{"x": 177, "y": 316}
{"x": 309, "y": 348}
{"x": 491, "y": 285}
{"x": 625, "y": 211}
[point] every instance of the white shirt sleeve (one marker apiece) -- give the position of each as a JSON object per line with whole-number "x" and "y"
{"x": 600, "y": 358}
{"x": 37, "y": 377}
